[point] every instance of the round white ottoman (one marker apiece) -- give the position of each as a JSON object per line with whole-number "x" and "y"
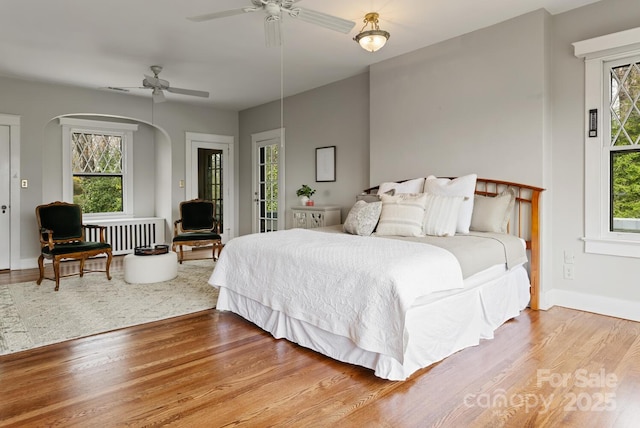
{"x": 148, "y": 269}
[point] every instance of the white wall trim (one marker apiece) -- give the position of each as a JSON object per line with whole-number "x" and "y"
{"x": 609, "y": 306}
{"x": 608, "y": 44}
{"x": 84, "y": 123}
{"x": 13, "y": 122}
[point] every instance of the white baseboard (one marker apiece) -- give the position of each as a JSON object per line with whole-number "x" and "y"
{"x": 29, "y": 263}
{"x": 602, "y": 305}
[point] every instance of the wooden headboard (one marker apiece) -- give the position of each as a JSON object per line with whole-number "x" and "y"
{"x": 525, "y": 222}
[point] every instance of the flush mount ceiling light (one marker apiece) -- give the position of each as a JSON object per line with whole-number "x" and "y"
{"x": 373, "y": 39}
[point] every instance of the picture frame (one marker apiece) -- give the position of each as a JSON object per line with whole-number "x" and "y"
{"x": 326, "y": 164}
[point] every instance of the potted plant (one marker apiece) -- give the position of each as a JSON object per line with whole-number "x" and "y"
{"x": 305, "y": 193}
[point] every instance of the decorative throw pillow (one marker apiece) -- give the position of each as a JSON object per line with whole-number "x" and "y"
{"x": 441, "y": 214}
{"x": 362, "y": 218}
{"x": 409, "y": 186}
{"x": 367, "y": 197}
{"x": 402, "y": 214}
{"x": 492, "y": 213}
{"x": 462, "y": 186}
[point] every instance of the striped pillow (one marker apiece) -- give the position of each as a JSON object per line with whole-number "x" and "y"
{"x": 441, "y": 214}
{"x": 402, "y": 214}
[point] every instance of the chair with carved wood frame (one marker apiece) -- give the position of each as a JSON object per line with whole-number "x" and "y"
{"x": 197, "y": 227}
{"x": 62, "y": 236}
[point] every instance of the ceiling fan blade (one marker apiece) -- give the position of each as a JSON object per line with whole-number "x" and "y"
{"x": 203, "y": 94}
{"x": 158, "y": 96}
{"x": 223, "y": 14}
{"x": 272, "y": 32}
{"x": 324, "y": 20}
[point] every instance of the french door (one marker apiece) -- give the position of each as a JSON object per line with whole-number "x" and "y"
{"x": 210, "y": 176}
{"x": 268, "y": 181}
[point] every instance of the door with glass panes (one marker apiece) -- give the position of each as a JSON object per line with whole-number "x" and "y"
{"x": 268, "y": 188}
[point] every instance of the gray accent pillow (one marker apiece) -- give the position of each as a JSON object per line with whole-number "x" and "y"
{"x": 369, "y": 197}
{"x": 362, "y": 218}
{"x": 492, "y": 213}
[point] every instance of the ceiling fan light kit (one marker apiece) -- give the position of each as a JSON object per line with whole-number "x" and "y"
{"x": 373, "y": 39}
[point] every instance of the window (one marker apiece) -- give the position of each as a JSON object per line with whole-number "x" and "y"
{"x": 612, "y": 148}
{"x": 624, "y": 137}
{"x": 97, "y": 165}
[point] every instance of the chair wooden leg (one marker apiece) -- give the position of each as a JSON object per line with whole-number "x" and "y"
{"x": 109, "y": 258}
{"x": 82, "y": 266}
{"x": 180, "y": 255}
{"x": 56, "y": 272}
{"x": 41, "y": 267}
{"x": 217, "y": 249}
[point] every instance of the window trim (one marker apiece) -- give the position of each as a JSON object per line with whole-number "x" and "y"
{"x": 597, "y": 52}
{"x": 124, "y": 130}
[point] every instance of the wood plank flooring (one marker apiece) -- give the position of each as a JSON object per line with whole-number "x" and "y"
{"x": 543, "y": 369}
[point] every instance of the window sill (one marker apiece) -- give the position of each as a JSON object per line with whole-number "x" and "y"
{"x": 612, "y": 247}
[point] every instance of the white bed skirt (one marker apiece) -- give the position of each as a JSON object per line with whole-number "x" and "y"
{"x": 435, "y": 330}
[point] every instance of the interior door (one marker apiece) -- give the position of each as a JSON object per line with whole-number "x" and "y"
{"x": 211, "y": 179}
{"x": 5, "y": 185}
{"x": 268, "y": 181}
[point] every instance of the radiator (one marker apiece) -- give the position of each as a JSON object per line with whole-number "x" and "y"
{"x": 126, "y": 234}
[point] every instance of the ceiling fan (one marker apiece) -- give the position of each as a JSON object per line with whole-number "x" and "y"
{"x": 160, "y": 85}
{"x": 274, "y": 10}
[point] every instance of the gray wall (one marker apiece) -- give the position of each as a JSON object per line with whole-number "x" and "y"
{"x": 597, "y": 277}
{"x": 470, "y": 104}
{"x": 505, "y": 102}
{"x": 158, "y": 153}
{"x": 332, "y": 115}
{"x": 508, "y": 102}
{"x": 478, "y": 103}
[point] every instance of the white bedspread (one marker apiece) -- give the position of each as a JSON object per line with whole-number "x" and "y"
{"x": 352, "y": 286}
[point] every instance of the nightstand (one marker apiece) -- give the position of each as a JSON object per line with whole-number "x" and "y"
{"x": 316, "y": 216}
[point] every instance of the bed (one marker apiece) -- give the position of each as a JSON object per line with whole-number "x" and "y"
{"x": 391, "y": 303}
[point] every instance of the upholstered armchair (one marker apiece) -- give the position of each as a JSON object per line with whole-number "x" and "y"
{"x": 196, "y": 227}
{"x": 62, "y": 236}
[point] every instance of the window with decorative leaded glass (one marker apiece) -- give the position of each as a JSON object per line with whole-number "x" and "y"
{"x": 98, "y": 164}
{"x": 624, "y": 145}
{"x": 612, "y": 143}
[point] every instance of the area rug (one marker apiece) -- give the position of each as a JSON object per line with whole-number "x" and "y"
{"x": 33, "y": 316}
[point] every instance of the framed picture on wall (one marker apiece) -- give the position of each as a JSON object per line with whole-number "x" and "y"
{"x": 326, "y": 163}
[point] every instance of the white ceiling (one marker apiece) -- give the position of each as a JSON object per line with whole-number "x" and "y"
{"x": 97, "y": 43}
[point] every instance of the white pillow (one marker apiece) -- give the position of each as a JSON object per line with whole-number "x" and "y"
{"x": 462, "y": 186}
{"x": 492, "y": 214}
{"x": 441, "y": 214}
{"x": 402, "y": 215}
{"x": 409, "y": 186}
{"x": 362, "y": 218}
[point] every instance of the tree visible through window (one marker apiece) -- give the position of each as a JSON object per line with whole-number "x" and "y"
{"x": 624, "y": 109}
{"x": 97, "y": 161}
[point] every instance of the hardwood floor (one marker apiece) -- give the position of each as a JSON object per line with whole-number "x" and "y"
{"x": 543, "y": 369}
